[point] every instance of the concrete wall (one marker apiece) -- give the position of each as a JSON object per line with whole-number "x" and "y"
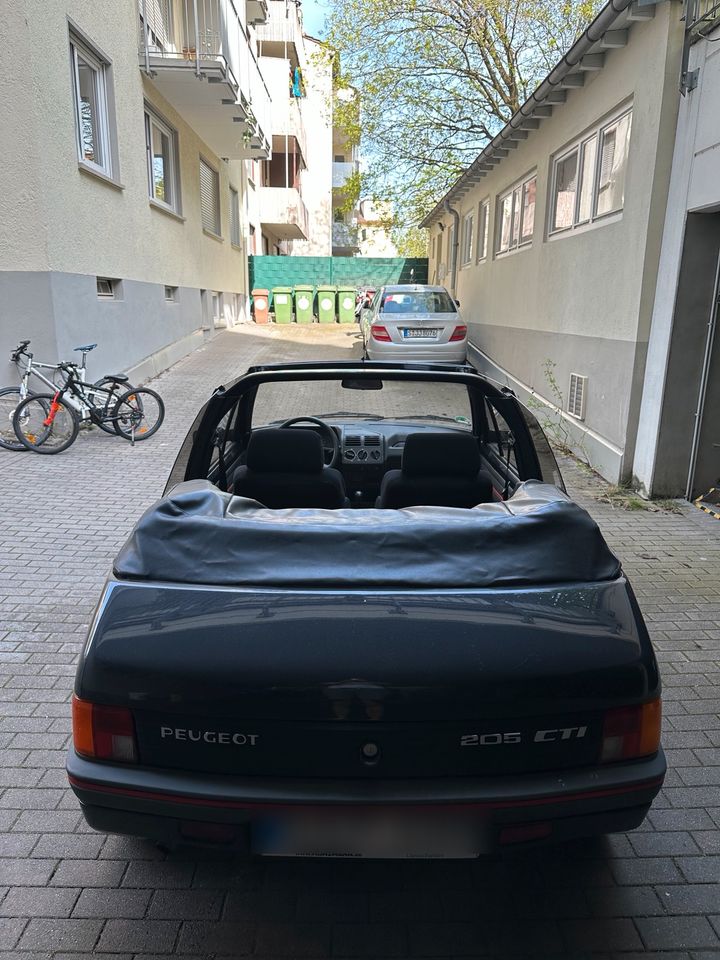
{"x": 583, "y": 299}
{"x": 64, "y": 226}
{"x": 677, "y": 337}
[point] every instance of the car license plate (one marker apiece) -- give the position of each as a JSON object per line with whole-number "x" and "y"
{"x": 387, "y": 835}
{"x": 419, "y": 333}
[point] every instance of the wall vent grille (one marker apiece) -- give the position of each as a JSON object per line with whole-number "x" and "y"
{"x": 577, "y": 396}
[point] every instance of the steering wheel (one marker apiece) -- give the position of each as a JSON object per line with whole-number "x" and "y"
{"x": 329, "y": 437}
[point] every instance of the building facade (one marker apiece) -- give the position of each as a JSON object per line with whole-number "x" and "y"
{"x": 551, "y": 239}
{"x": 123, "y": 208}
{"x": 678, "y": 445}
{"x": 291, "y": 191}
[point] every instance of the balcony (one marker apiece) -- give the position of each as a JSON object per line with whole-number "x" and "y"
{"x": 701, "y": 18}
{"x": 342, "y": 171}
{"x": 282, "y": 35}
{"x": 257, "y": 11}
{"x": 197, "y": 55}
{"x": 287, "y": 112}
{"x": 344, "y": 240}
{"x": 283, "y": 212}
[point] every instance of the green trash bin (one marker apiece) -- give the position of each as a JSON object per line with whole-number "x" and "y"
{"x": 326, "y": 304}
{"x": 304, "y": 296}
{"x": 283, "y": 304}
{"x": 346, "y": 304}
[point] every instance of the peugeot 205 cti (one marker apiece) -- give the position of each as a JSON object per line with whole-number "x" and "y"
{"x": 366, "y": 620}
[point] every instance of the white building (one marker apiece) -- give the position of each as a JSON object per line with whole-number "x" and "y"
{"x": 290, "y": 206}
{"x": 551, "y": 238}
{"x": 678, "y": 445}
{"x": 123, "y": 203}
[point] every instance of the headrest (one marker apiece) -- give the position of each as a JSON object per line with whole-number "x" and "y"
{"x": 440, "y": 455}
{"x": 285, "y": 451}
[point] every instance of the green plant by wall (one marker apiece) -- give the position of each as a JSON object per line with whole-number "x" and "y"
{"x": 551, "y": 419}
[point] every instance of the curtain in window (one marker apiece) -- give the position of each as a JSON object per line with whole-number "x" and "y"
{"x": 613, "y": 161}
{"x": 565, "y": 190}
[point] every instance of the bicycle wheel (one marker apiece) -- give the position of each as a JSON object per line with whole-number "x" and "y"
{"x": 138, "y": 414}
{"x": 10, "y": 397}
{"x": 44, "y": 424}
{"x": 113, "y": 390}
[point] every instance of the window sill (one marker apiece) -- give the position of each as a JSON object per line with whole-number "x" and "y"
{"x": 98, "y": 174}
{"x": 236, "y": 246}
{"x": 501, "y": 255}
{"x": 168, "y": 211}
{"x": 213, "y": 236}
{"x": 586, "y": 227}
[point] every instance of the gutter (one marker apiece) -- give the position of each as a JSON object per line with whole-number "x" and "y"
{"x": 595, "y": 32}
{"x": 456, "y": 244}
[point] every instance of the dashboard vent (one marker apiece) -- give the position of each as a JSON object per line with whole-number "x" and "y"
{"x": 353, "y": 440}
{"x": 373, "y": 440}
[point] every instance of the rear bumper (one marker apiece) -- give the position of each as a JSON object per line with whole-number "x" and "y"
{"x": 417, "y": 351}
{"x": 161, "y": 805}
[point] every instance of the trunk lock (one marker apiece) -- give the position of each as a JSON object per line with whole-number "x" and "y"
{"x": 371, "y": 752}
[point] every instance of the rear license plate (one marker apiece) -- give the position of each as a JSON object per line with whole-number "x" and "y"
{"x": 420, "y": 333}
{"x": 390, "y": 835}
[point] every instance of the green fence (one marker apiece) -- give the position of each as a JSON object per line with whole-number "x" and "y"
{"x": 269, "y": 272}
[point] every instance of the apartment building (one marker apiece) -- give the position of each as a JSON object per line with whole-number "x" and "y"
{"x": 290, "y": 199}
{"x": 374, "y": 234}
{"x": 345, "y": 173}
{"x": 551, "y": 239}
{"x": 124, "y": 198}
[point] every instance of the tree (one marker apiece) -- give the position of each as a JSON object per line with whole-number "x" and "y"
{"x": 438, "y": 79}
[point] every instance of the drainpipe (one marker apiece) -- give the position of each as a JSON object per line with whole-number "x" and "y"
{"x": 456, "y": 243}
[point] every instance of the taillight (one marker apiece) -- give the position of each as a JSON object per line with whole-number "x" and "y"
{"x": 459, "y": 333}
{"x": 630, "y": 732}
{"x": 103, "y": 733}
{"x": 378, "y": 332}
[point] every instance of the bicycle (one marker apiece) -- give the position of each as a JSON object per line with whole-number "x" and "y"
{"x": 50, "y": 423}
{"x": 11, "y": 397}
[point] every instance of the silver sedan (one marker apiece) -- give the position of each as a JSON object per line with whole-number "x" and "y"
{"x": 414, "y": 322}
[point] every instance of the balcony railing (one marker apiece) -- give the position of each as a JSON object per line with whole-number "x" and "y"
{"x": 283, "y": 26}
{"x": 283, "y": 211}
{"x": 344, "y": 237}
{"x": 207, "y": 38}
{"x": 701, "y": 16}
{"x": 342, "y": 171}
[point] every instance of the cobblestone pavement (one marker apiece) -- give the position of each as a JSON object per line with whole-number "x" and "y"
{"x": 67, "y": 892}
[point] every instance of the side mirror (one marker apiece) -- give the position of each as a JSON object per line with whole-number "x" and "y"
{"x": 457, "y": 303}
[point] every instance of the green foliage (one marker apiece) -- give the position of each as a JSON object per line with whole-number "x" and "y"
{"x": 551, "y": 419}
{"x": 349, "y": 194}
{"x": 437, "y": 79}
{"x": 410, "y": 241}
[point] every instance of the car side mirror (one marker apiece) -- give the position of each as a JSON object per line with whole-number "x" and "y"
{"x": 457, "y": 303}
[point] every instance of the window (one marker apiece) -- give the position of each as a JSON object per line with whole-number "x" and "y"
{"x": 589, "y": 178}
{"x": 483, "y": 220}
{"x": 92, "y": 120}
{"x": 209, "y": 198}
{"x": 108, "y": 288}
{"x": 163, "y": 168}
{"x": 171, "y": 294}
{"x": 467, "y": 238}
{"x": 516, "y": 216}
{"x": 234, "y": 217}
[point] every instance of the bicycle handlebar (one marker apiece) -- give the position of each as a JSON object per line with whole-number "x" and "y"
{"x": 19, "y": 350}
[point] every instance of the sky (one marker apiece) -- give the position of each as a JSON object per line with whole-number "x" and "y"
{"x": 314, "y": 12}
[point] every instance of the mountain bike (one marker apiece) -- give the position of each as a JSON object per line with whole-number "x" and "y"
{"x": 49, "y": 423}
{"x": 10, "y": 397}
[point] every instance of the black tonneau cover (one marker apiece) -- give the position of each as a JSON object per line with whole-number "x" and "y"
{"x": 199, "y": 535}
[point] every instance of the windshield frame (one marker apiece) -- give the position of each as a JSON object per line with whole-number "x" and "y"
{"x": 196, "y": 453}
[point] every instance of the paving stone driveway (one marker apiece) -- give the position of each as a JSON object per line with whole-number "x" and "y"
{"x": 67, "y": 892}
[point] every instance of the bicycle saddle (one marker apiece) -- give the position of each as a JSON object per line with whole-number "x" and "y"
{"x": 117, "y": 377}
{"x": 86, "y": 349}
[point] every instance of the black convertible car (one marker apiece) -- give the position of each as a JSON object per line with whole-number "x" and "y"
{"x": 365, "y": 620}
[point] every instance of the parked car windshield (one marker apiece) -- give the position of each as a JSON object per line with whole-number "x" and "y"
{"x": 419, "y": 401}
{"x": 435, "y": 301}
